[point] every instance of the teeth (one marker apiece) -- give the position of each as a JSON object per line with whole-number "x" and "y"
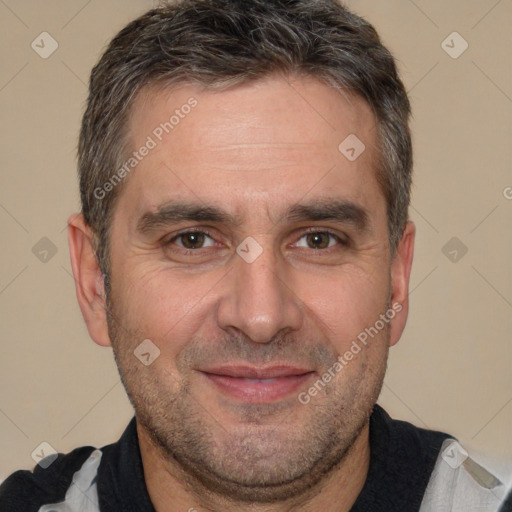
{"x": 255, "y": 381}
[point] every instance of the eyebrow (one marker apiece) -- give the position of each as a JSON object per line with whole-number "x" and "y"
{"x": 330, "y": 209}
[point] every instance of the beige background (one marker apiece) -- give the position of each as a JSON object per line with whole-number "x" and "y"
{"x": 452, "y": 368}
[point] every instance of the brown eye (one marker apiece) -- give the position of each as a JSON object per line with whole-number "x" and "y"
{"x": 320, "y": 240}
{"x": 193, "y": 240}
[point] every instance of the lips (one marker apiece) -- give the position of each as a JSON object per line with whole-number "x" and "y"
{"x": 257, "y": 385}
{"x": 252, "y": 372}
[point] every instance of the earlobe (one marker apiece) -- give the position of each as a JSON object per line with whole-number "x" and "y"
{"x": 400, "y": 274}
{"x": 89, "y": 282}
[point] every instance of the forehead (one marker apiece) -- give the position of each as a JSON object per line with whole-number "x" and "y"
{"x": 257, "y": 144}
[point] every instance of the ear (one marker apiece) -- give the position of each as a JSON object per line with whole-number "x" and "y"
{"x": 400, "y": 273}
{"x": 89, "y": 283}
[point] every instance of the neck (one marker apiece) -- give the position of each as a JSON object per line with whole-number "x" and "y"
{"x": 171, "y": 488}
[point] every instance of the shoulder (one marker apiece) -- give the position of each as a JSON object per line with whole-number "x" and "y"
{"x": 29, "y": 490}
{"x": 459, "y": 481}
{"x": 77, "y": 481}
{"x": 402, "y": 457}
{"x": 404, "y": 442}
{"x": 438, "y": 464}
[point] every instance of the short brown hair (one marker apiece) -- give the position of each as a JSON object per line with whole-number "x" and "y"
{"x": 219, "y": 43}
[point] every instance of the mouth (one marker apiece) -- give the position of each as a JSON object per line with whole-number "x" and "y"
{"x": 258, "y": 385}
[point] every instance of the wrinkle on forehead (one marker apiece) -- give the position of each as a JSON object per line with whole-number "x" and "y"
{"x": 270, "y": 110}
{"x": 262, "y": 143}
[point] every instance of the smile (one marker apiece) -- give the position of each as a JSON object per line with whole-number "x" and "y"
{"x": 254, "y": 385}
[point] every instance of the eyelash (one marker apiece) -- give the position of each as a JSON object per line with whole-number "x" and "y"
{"x": 188, "y": 252}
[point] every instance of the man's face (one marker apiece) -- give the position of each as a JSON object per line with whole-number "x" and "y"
{"x": 283, "y": 308}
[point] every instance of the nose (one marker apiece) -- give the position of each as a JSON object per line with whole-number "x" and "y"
{"x": 258, "y": 299}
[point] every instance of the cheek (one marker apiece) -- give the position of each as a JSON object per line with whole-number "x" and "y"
{"x": 163, "y": 305}
{"x": 346, "y": 302}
